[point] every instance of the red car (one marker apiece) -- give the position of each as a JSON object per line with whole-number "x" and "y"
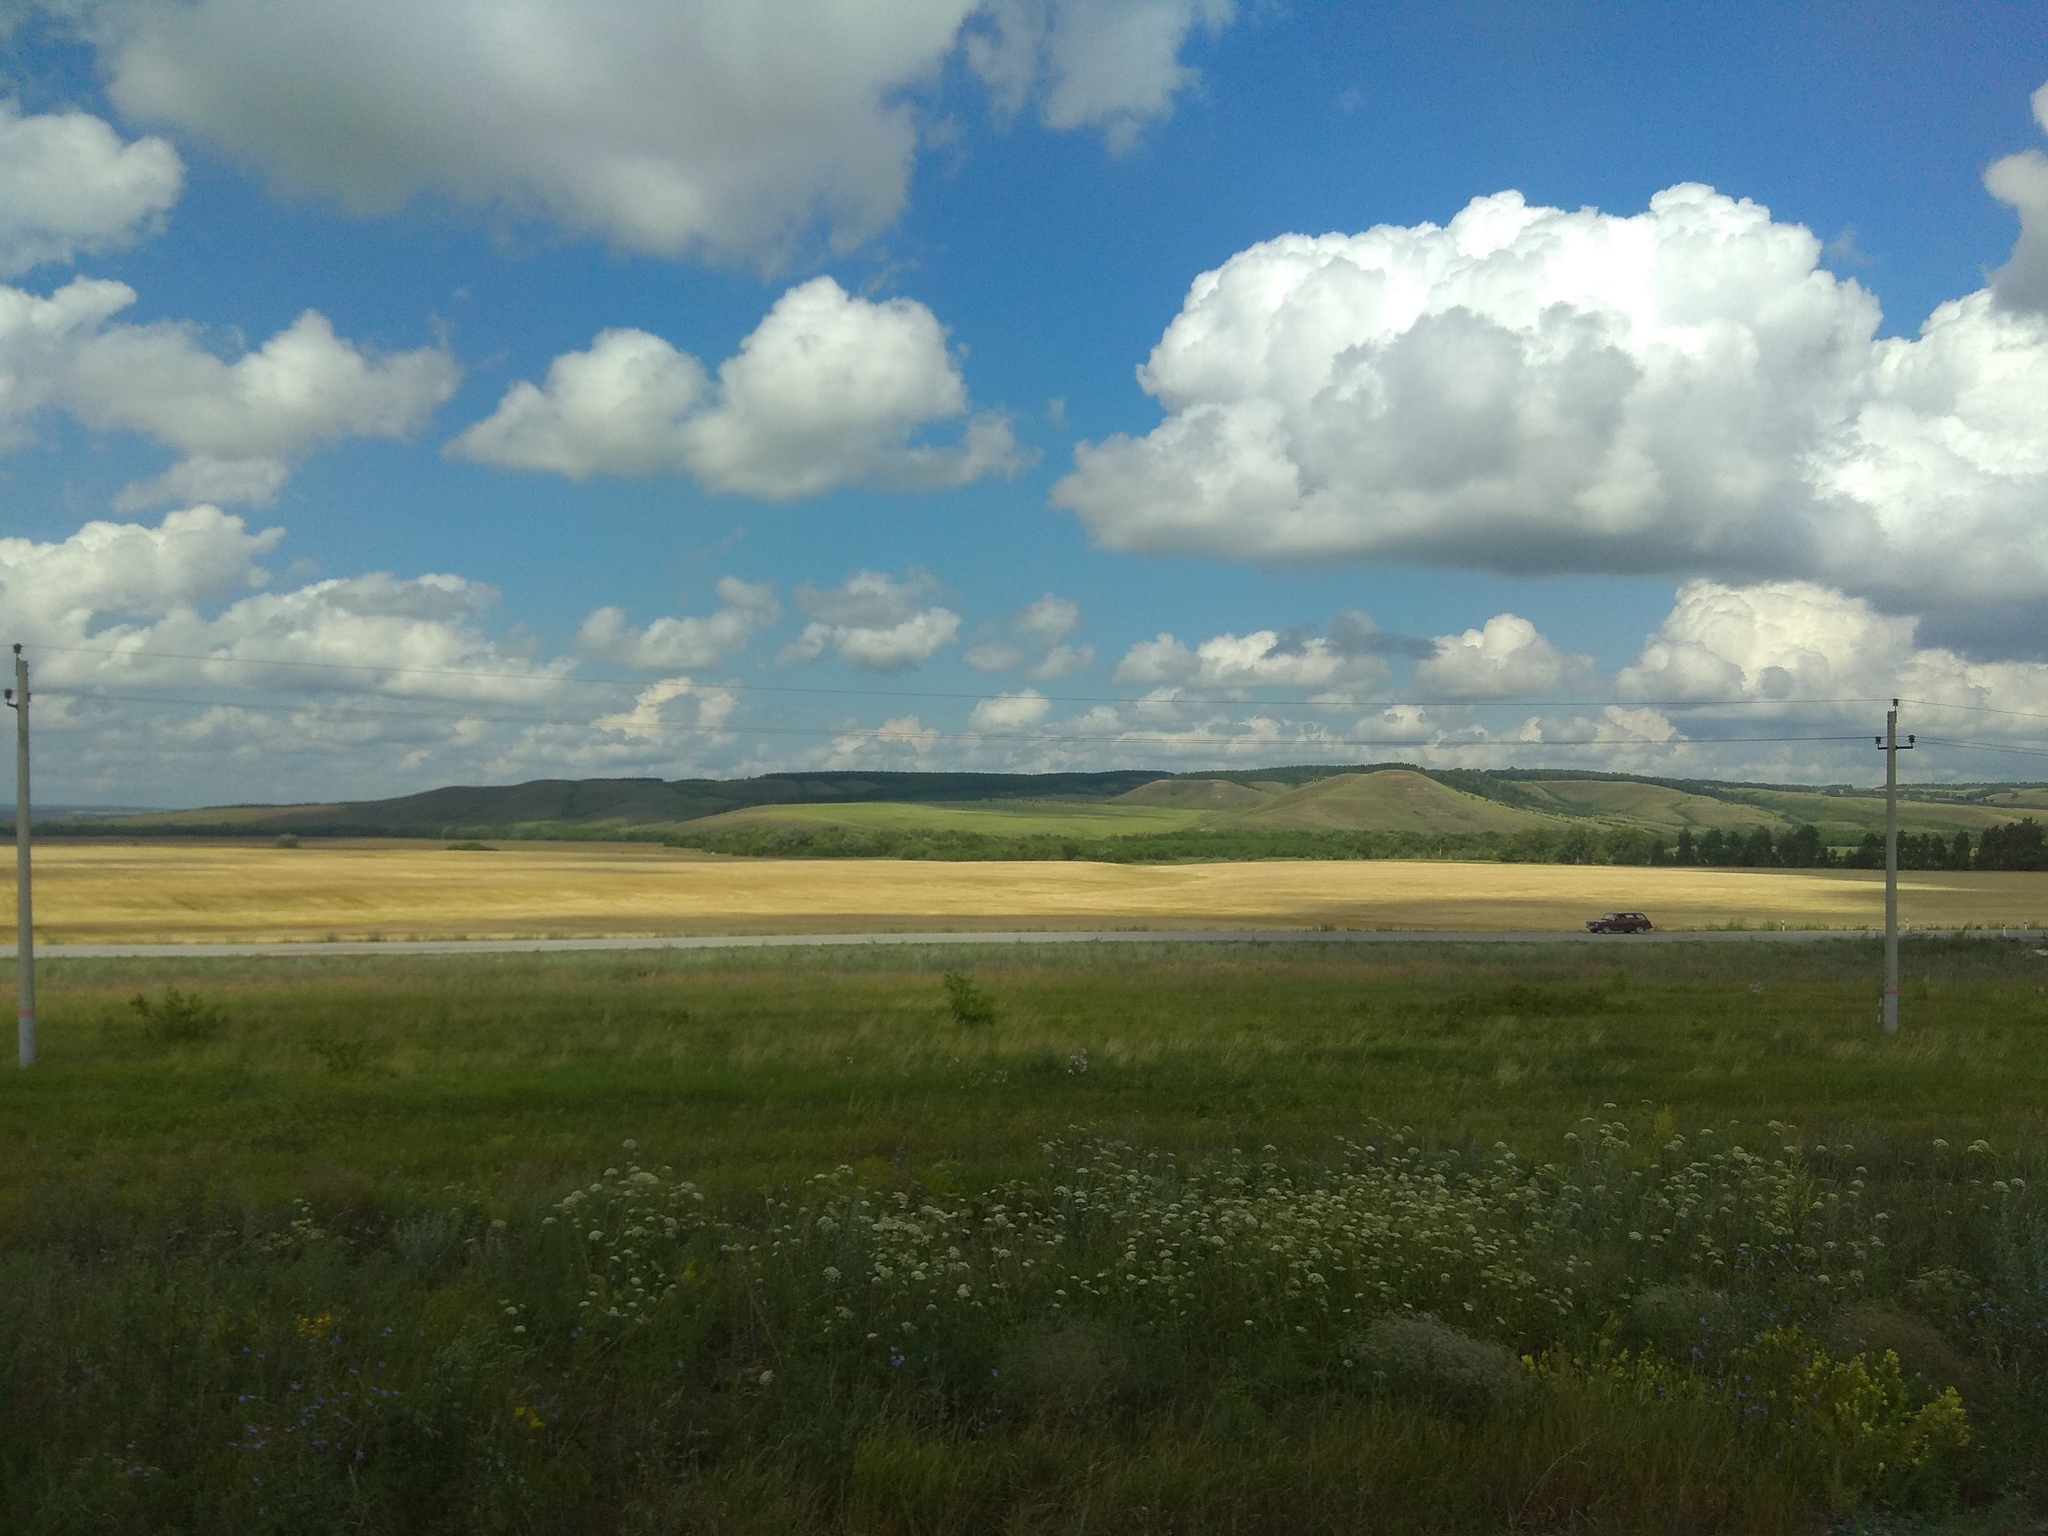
{"x": 1619, "y": 922}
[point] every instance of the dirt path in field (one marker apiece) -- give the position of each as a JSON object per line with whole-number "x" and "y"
{"x": 195, "y": 892}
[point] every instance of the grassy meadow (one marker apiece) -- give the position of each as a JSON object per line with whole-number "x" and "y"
{"x": 171, "y": 892}
{"x": 1160, "y": 1239}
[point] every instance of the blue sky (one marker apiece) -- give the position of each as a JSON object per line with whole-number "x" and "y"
{"x": 499, "y": 391}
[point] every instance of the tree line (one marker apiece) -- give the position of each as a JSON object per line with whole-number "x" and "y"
{"x": 2020, "y": 845}
{"x": 2015, "y": 845}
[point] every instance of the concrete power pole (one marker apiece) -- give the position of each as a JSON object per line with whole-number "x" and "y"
{"x": 24, "y": 919}
{"x": 1890, "y": 742}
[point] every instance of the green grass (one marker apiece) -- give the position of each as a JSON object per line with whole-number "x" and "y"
{"x": 301, "y": 1194}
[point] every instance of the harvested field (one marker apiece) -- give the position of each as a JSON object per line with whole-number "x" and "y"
{"x": 177, "y": 892}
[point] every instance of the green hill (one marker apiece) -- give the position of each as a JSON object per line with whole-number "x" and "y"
{"x": 582, "y": 807}
{"x": 1200, "y": 794}
{"x": 1378, "y": 810}
{"x": 984, "y": 818}
{"x": 1388, "y": 800}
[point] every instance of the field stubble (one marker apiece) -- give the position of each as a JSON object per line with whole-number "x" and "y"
{"x": 163, "y": 892}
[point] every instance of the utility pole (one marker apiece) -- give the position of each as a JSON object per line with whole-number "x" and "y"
{"x": 24, "y": 920}
{"x": 1890, "y": 742}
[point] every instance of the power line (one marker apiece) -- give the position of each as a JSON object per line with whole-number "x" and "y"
{"x": 1137, "y": 736}
{"x": 1982, "y": 709}
{"x": 1324, "y": 702}
{"x": 1986, "y": 746}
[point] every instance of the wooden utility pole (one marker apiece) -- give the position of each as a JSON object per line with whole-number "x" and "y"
{"x": 1890, "y": 742}
{"x": 24, "y": 918}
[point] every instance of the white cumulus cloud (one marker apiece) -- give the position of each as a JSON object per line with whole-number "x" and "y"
{"x": 239, "y": 423}
{"x": 738, "y": 133}
{"x": 669, "y": 129}
{"x": 1265, "y": 658}
{"x": 1010, "y": 711}
{"x": 647, "y": 720}
{"x": 1796, "y": 643}
{"x": 873, "y": 622}
{"x": 1109, "y": 64}
{"x": 1505, "y": 659}
{"x": 2021, "y": 182}
{"x": 857, "y": 746}
{"x": 1535, "y": 389}
{"x": 124, "y": 604}
{"x": 1033, "y": 635}
{"x": 744, "y": 608}
{"x": 828, "y": 390}
{"x": 70, "y": 187}
{"x": 172, "y": 669}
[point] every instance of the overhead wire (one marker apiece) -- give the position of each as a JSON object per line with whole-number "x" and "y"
{"x": 1324, "y": 701}
{"x": 1053, "y": 738}
{"x": 441, "y": 709}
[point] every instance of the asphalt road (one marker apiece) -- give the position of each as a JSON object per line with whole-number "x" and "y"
{"x": 1317, "y": 936}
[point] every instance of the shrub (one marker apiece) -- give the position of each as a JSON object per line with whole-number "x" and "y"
{"x": 287, "y": 840}
{"x": 970, "y": 1005}
{"x": 1416, "y": 1358}
{"x": 178, "y": 1018}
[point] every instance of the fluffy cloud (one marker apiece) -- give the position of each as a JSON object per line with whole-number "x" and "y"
{"x": 729, "y": 131}
{"x": 1050, "y": 619}
{"x": 239, "y": 423}
{"x": 171, "y": 671}
{"x": 827, "y": 391}
{"x": 734, "y": 132}
{"x": 1531, "y": 389}
{"x": 122, "y": 605}
{"x": 743, "y": 608}
{"x": 1506, "y": 659}
{"x": 854, "y": 747}
{"x": 646, "y": 721}
{"x": 1265, "y": 658}
{"x": 2021, "y": 181}
{"x": 873, "y": 622}
{"x": 1803, "y": 646}
{"x": 1032, "y": 635}
{"x": 1112, "y": 64}
{"x": 1010, "y": 712}
{"x": 68, "y": 185}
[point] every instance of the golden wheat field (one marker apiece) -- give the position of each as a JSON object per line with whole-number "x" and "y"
{"x": 192, "y": 892}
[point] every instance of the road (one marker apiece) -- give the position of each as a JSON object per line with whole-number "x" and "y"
{"x": 842, "y": 940}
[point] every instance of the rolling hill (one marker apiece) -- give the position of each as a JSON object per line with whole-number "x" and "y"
{"x": 1389, "y": 800}
{"x": 1248, "y": 813}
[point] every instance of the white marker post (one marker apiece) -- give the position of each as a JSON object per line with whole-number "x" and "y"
{"x": 24, "y": 919}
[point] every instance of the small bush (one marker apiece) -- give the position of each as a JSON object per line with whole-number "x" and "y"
{"x": 970, "y": 1005}
{"x": 470, "y": 845}
{"x": 287, "y": 840}
{"x": 178, "y": 1018}
{"x": 1414, "y": 1357}
{"x": 350, "y": 1058}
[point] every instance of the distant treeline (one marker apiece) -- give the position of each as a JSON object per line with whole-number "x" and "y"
{"x": 2019, "y": 845}
{"x": 828, "y": 842}
{"x": 2014, "y": 845}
